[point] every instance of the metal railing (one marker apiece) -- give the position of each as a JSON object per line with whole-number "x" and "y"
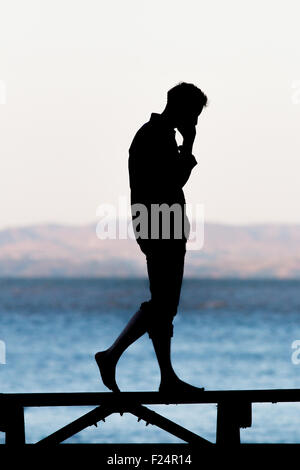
{"x": 234, "y": 412}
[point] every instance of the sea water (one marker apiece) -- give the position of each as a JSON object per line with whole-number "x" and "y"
{"x": 228, "y": 334}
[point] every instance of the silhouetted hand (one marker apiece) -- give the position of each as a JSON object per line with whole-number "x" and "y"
{"x": 188, "y": 133}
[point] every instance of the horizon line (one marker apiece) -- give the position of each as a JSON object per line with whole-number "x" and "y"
{"x": 87, "y": 224}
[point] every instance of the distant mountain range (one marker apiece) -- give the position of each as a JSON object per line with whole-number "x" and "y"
{"x": 255, "y": 251}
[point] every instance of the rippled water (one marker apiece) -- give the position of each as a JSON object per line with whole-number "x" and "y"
{"x": 229, "y": 334}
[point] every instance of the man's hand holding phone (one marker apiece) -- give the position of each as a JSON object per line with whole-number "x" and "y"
{"x": 188, "y": 133}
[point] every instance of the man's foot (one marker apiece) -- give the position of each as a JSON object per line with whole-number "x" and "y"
{"x": 107, "y": 370}
{"x": 178, "y": 386}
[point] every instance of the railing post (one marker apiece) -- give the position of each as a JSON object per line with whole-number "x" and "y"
{"x": 231, "y": 417}
{"x": 14, "y": 425}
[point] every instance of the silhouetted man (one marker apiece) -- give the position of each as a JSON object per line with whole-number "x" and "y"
{"x": 158, "y": 170}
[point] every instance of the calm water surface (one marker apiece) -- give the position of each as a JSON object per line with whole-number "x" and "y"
{"x": 229, "y": 334}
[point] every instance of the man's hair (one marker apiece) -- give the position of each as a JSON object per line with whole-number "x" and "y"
{"x": 186, "y": 94}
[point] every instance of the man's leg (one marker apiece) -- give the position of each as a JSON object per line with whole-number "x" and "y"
{"x": 165, "y": 270}
{"x": 135, "y": 328}
{"x": 159, "y": 269}
{"x": 107, "y": 360}
{"x": 169, "y": 382}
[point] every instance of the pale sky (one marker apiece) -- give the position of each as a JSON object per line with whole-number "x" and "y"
{"x": 81, "y": 77}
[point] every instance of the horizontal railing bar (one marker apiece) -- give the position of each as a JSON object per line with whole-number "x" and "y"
{"x": 149, "y": 398}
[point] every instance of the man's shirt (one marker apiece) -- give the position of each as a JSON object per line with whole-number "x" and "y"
{"x": 158, "y": 169}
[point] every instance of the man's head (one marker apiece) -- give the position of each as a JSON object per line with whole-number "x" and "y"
{"x": 185, "y": 103}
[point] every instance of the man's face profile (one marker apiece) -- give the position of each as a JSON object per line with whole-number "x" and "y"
{"x": 187, "y": 117}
